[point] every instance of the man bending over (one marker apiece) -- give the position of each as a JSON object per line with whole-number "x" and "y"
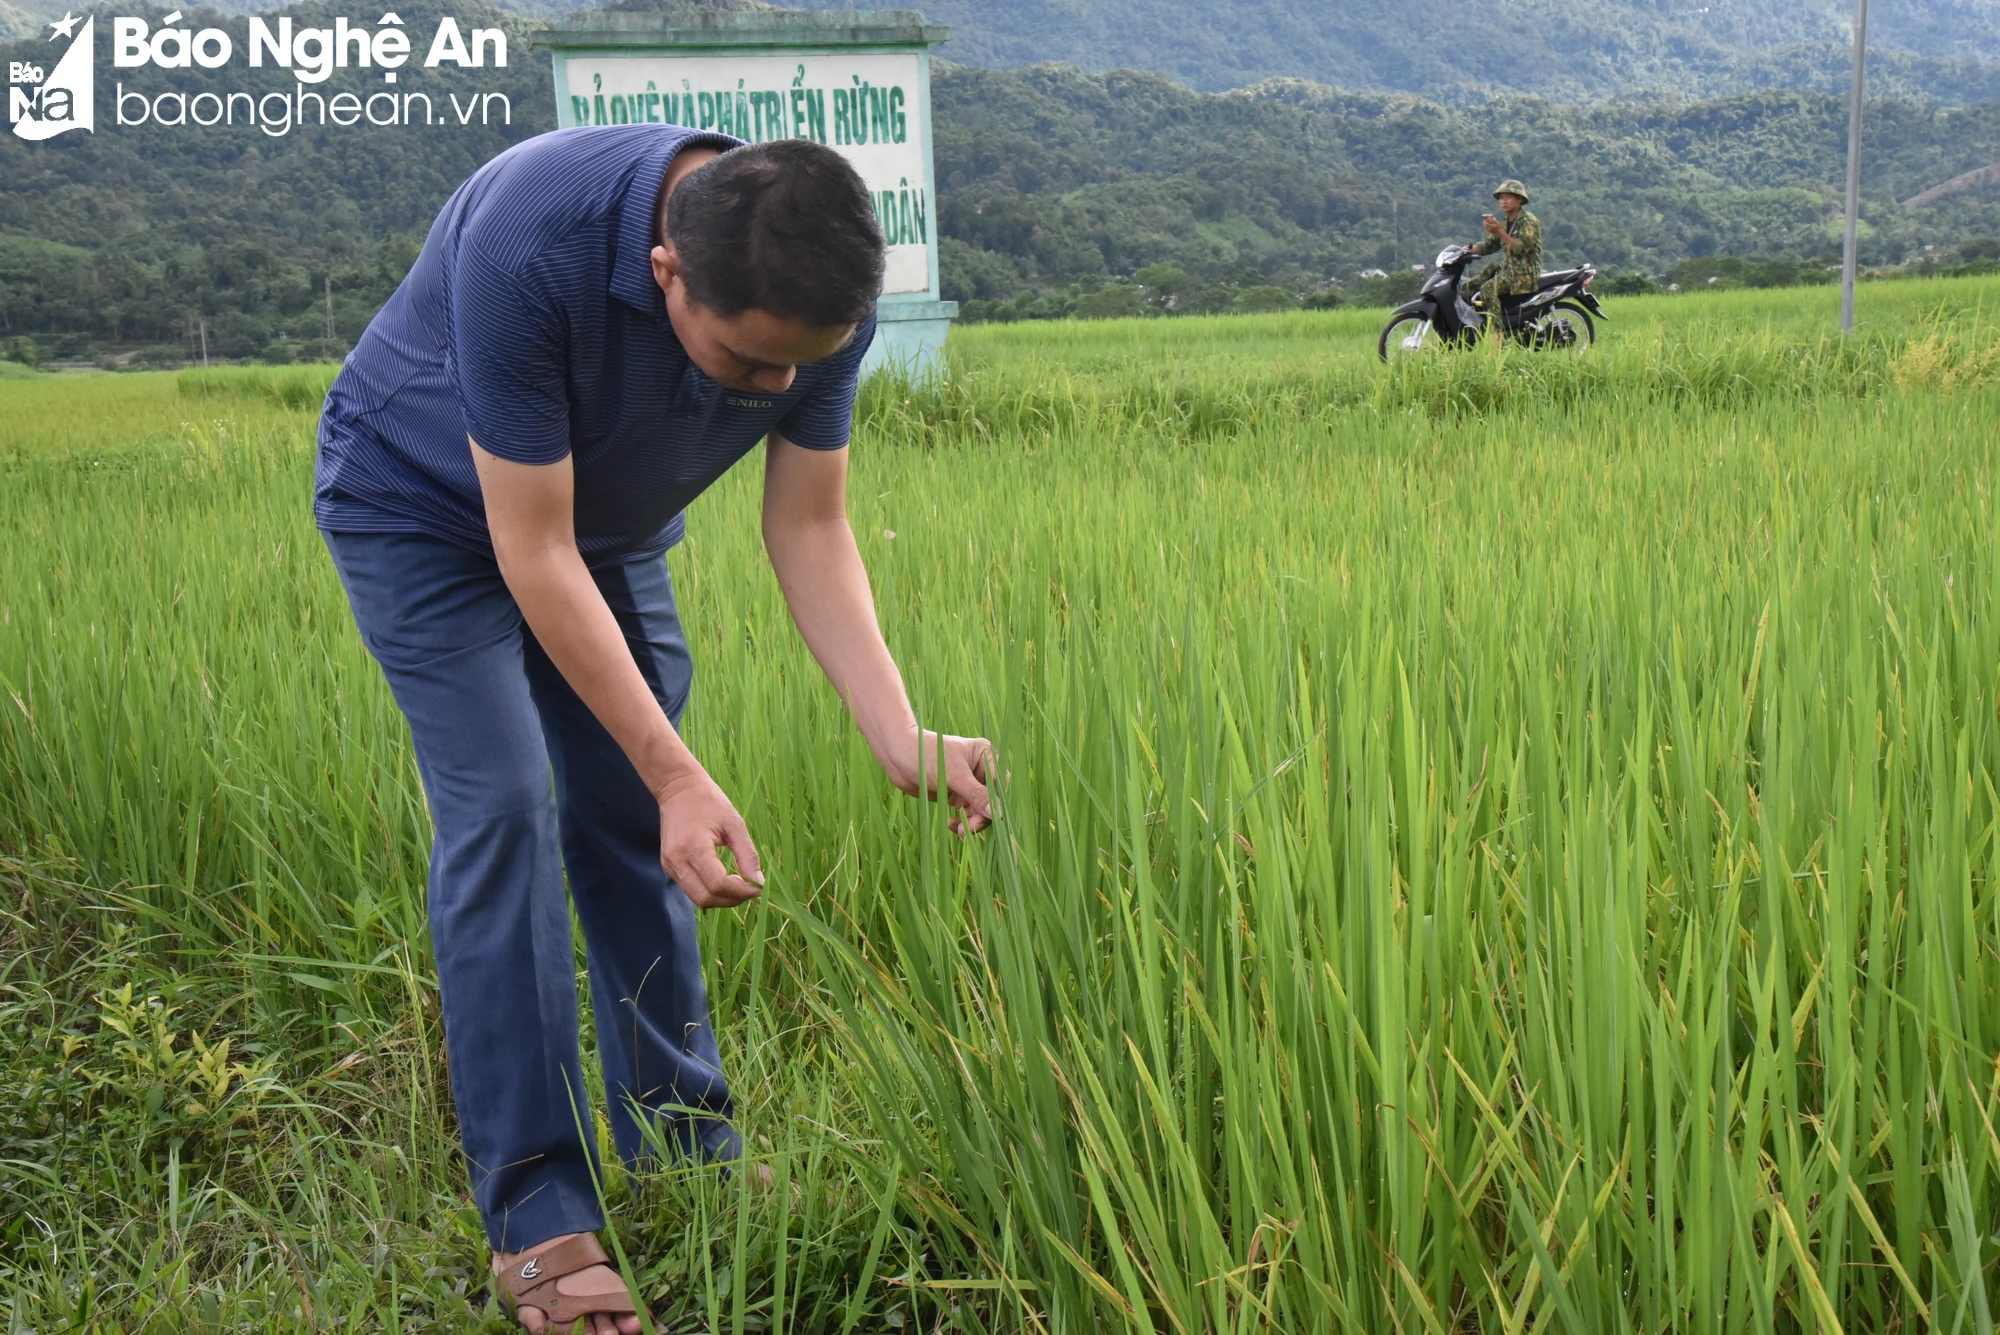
{"x": 601, "y": 322}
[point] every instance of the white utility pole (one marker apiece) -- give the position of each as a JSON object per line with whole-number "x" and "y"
{"x": 329, "y": 294}
{"x": 1847, "y": 255}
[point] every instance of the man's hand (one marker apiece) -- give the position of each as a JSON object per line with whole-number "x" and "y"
{"x": 967, "y": 768}
{"x": 1494, "y": 227}
{"x": 696, "y": 818}
{"x": 819, "y": 568}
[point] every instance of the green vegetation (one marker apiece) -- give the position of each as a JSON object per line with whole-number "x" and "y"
{"x": 1467, "y": 50}
{"x": 1505, "y": 843}
{"x": 1452, "y": 50}
{"x": 1057, "y": 189}
{"x": 1055, "y": 185}
{"x": 135, "y": 236}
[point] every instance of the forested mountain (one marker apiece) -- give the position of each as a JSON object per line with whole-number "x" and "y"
{"x": 1453, "y": 51}
{"x": 141, "y": 235}
{"x": 1468, "y": 50}
{"x": 1048, "y": 176}
{"x": 1054, "y": 185}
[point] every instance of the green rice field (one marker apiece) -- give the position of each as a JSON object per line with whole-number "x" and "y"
{"x": 1503, "y": 844}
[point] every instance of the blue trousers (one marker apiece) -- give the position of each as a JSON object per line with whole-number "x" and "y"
{"x": 494, "y": 722}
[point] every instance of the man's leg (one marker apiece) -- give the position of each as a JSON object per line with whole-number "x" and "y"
{"x": 450, "y": 639}
{"x": 653, "y": 1031}
{"x": 1485, "y": 294}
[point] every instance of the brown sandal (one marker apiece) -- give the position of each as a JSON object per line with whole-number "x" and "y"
{"x": 531, "y": 1282}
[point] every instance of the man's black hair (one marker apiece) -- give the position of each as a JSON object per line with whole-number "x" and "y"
{"x": 785, "y": 227}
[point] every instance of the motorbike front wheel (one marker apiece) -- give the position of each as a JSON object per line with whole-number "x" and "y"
{"x": 1406, "y": 336}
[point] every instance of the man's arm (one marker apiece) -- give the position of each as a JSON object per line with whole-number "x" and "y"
{"x": 530, "y": 511}
{"x": 819, "y": 569}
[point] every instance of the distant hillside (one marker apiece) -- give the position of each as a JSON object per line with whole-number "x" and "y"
{"x": 20, "y": 18}
{"x": 1460, "y": 50}
{"x": 138, "y": 235}
{"x": 1050, "y": 177}
{"x": 1051, "y": 181}
{"x": 1452, "y": 51}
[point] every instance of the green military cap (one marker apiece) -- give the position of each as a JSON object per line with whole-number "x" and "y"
{"x": 1510, "y": 186}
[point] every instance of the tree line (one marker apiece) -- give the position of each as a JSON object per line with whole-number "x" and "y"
{"x": 1061, "y": 193}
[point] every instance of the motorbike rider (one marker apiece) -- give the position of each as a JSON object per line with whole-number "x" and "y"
{"x": 1520, "y": 269}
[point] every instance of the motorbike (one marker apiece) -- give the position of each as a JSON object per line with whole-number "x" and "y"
{"x": 1557, "y": 316}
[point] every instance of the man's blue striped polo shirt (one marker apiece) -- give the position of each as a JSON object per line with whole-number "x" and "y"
{"x": 531, "y": 322}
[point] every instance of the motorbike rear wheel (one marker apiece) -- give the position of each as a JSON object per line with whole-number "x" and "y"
{"x": 1578, "y": 330}
{"x": 1394, "y": 343}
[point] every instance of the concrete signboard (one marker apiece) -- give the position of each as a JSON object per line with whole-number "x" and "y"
{"x": 859, "y": 83}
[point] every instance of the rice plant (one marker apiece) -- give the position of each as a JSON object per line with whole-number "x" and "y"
{"x": 1501, "y": 845}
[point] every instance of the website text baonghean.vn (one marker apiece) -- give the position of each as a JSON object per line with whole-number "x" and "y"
{"x": 279, "y": 113}
{"x": 312, "y": 55}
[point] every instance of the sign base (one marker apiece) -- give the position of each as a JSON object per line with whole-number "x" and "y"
{"x": 909, "y": 338}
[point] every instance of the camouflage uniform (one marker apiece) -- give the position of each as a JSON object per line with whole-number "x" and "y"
{"x": 1519, "y": 272}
